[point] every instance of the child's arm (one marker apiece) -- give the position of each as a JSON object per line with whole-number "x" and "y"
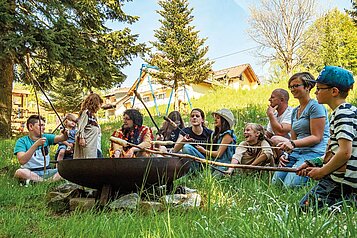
{"x": 266, "y": 154}
{"x": 24, "y": 157}
{"x": 61, "y": 138}
{"x": 227, "y": 139}
{"x": 237, "y": 157}
{"x": 341, "y": 157}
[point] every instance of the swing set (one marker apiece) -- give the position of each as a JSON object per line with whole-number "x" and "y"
{"x": 145, "y": 71}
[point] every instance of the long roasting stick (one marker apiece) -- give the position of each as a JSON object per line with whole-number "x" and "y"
{"x": 200, "y": 143}
{"x": 204, "y": 161}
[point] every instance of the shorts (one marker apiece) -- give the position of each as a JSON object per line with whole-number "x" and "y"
{"x": 49, "y": 173}
{"x": 61, "y": 147}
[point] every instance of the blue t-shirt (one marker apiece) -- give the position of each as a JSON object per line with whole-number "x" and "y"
{"x": 301, "y": 126}
{"x": 24, "y": 143}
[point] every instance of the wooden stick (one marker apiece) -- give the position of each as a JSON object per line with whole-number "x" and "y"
{"x": 200, "y": 143}
{"x": 141, "y": 100}
{"x": 204, "y": 161}
{"x": 174, "y": 124}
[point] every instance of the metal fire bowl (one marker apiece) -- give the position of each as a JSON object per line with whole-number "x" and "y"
{"x": 123, "y": 174}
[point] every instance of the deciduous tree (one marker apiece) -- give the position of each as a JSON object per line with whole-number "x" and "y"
{"x": 353, "y": 11}
{"x": 277, "y": 26}
{"x": 63, "y": 37}
{"x": 333, "y": 42}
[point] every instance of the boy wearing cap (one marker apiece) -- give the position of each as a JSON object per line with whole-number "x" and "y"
{"x": 338, "y": 175}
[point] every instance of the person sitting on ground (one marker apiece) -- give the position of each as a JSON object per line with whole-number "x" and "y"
{"x": 196, "y": 133}
{"x": 337, "y": 177}
{"x": 65, "y": 148}
{"x": 88, "y": 128}
{"x": 170, "y": 131}
{"x": 134, "y": 132}
{"x": 255, "y": 150}
{"x": 32, "y": 150}
{"x": 279, "y": 115}
{"x": 223, "y": 134}
{"x": 309, "y": 132}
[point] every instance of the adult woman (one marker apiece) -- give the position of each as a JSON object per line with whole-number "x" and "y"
{"x": 196, "y": 133}
{"x": 88, "y": 128}
{"x": 310, "y": 130}
{"x": 223, "y": 134}
{"x": 170, "y": 131}
{"x": 132, "y": 131}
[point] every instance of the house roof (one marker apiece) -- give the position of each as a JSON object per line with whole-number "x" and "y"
{"x": 117, "y": 90}
{"x": 20, "y": 91}
{"x": 236, "y": 72}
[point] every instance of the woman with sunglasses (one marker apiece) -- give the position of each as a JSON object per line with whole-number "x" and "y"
{"x": 309, "y": 134}
{"x": 196, "y": 133}
{"x": 132, "y": 131}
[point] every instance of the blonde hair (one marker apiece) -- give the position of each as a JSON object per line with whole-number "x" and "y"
{"x": 257, "y": 128}
{"x": 71, "y": 117}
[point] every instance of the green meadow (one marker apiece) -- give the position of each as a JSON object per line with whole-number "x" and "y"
{"x": 238, "y": 206}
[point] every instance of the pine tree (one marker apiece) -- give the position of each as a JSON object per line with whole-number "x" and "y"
{"x": 65, "y": 97}
{"x": 180, "y": 52}
{"x": 65, "y": 39}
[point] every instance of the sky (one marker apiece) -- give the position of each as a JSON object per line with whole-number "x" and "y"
{"x": 223, "y": 22}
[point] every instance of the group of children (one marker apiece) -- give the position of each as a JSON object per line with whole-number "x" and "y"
{"x": 336, "y": 170}
{"x": 83, "y": 141}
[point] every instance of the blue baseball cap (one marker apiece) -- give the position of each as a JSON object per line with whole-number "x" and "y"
{"x": 336, "y": 76}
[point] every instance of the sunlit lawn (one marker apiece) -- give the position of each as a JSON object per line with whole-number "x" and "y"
{"x": 242, "y": 206}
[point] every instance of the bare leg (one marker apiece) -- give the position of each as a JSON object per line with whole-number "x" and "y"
{"x": 55, "y": 177}
{"x": 25, "y": 174}
{"x": 60, "y": 155}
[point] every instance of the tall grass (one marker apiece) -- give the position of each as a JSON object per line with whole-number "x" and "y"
{"x": 241, "y": 206}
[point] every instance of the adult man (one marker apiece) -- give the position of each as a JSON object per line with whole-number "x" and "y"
{"x": 279, "y": 114}
{"x": 30, "y": 151}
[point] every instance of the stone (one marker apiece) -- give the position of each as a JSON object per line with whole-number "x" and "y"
{"x": 82, "y": 204}
{"x": 148, "y": 206}
{"x": 129, "y": 201}
{"x": 183, "y": 200}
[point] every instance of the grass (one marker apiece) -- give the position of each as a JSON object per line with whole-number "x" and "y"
{"x": 242, "y": 206}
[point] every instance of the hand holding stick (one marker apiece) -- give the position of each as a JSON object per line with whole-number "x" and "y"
{"x": 173, "y": 124}
{"x": 204, "y": 161}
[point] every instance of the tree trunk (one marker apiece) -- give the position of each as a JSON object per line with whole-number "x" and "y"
{"x": 6, "y": 79}
{"x": 176, "y": 103}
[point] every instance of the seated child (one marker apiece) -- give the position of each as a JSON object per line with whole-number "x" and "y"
{"x": 262, "y": 156}
{"x": 65, "y": 148}
{"x": 338, "y": 175}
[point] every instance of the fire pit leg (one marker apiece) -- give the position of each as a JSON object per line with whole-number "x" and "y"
{"x": 105, "y": 194}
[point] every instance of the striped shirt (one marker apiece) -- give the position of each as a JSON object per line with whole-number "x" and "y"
{"x": 343, "y": 125}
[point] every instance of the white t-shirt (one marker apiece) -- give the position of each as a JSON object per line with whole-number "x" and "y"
{"x": 283, "y": 118}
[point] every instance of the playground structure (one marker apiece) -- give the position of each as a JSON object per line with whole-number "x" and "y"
{"x": 152, "y": 93}
{"x": 22, "y": 108}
